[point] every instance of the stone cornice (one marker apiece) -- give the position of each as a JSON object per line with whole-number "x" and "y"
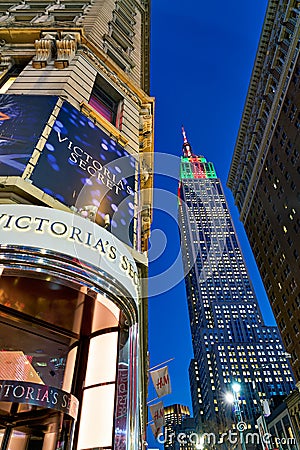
{"x": 255, "y": 76}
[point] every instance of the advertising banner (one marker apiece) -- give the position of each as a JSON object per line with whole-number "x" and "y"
{"x": 264, "y": 433}
{"x": 121, "y": 407}
{"x": 22, "y": 120}
{"x": 83, "y": 167}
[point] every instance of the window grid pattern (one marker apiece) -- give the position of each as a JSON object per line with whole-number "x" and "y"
{"x": 230, "y": 339}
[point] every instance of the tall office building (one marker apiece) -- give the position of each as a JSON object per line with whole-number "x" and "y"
{"x": 179, "y": 427}
{"x": 265, "y": 169}
{"x": 230, "y": 340}
{"x": 76, "y": 151}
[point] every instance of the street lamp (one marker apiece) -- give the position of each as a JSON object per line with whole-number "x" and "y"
{"x": 232, "y": 397}
{"x": 236, "y": 387}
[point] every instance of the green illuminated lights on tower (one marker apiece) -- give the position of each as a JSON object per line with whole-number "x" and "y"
{"x": 196, "y": 167}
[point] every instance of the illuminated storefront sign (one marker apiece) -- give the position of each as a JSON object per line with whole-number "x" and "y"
{"x": 39, "y": 395}
{"x": 72, "y": 235}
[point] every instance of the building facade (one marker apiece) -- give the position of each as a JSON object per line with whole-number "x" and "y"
{"x": 76, "y": 138}
{"x": 293, "y": 406}
{"x": 264, "y": 173}
{"x": 230, "y": 340}
{"x": 280, "y": 426}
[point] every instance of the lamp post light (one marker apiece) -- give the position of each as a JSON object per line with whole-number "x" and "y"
{"x": 233, "y": 398}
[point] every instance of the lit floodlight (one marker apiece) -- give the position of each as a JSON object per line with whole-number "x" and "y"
{"x": 236, "y": 387}
{"x": 229, "y": 397}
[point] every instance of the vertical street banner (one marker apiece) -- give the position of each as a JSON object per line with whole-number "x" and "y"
{"x": 157, "y": 413}
{"x": 161, "y": 381}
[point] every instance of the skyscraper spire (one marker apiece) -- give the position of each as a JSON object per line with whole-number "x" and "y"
{"x": 186, "y": 148}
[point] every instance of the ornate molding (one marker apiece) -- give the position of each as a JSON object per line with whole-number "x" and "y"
{"x": 146, "y": 147}
{"x": 66, "y": 49}
{"x": 44, "y": 50}
{"x": 146, "y": 137}
{"x": 6, "y": 62}
{"x": 61, "y": 46}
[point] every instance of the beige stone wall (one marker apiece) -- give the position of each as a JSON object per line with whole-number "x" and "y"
{"x": 73, "y": 83}
{"x": 96, "y": 21}
{"x": 96, "y": 26}
{"x": 136, "y": 54}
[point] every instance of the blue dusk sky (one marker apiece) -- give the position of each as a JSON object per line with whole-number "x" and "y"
{"x": 202, "y": 55}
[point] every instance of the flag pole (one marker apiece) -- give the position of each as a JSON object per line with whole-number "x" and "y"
{"x": 150, "y": 401}
{"x": 157, "y": 365}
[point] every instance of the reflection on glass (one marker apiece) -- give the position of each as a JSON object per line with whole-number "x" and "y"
{"x": 18, "y": 441}
{"x": 69, "y": 370}
{"x": 45, "y": 300}
{"x": 1, "y": 435}
{"x": 14, "y": 365}
{"x": 106, "y": 314}
{"x": 32, "y": 354}
{"x": 42, "y": 326}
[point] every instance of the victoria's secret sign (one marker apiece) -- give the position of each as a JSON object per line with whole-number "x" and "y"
{"x": 60, "y": 231}
{"x": 39, "y": 395}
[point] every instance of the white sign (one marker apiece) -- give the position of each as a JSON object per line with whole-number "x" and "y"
{"x": 161, "y": 381}
{"x": 69, "y": 234}
{"x": 158, "y": 415}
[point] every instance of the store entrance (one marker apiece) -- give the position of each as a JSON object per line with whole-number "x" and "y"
{"x": 35, "y": 429}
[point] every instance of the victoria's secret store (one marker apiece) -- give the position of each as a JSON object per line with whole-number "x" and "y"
{"x": 67, "y": 333}
{"x": 68, "y": 287}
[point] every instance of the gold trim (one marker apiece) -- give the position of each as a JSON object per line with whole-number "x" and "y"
{"x": 86, "y": 109}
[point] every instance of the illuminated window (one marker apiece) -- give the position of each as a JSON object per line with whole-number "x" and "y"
{"x": 102, "y": 369}
{"x": 101, "y": 435}
{"x": 107, "y": 102}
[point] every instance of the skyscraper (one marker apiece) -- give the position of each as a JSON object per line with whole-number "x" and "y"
{"x": 178, "y": 428}
{"x": 76, "y": 153}
{"x": 265, "y": 168}
{"x": 230, "y": 340}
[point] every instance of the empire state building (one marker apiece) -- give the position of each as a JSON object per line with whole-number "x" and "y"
{"x": 231, "y": 342}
